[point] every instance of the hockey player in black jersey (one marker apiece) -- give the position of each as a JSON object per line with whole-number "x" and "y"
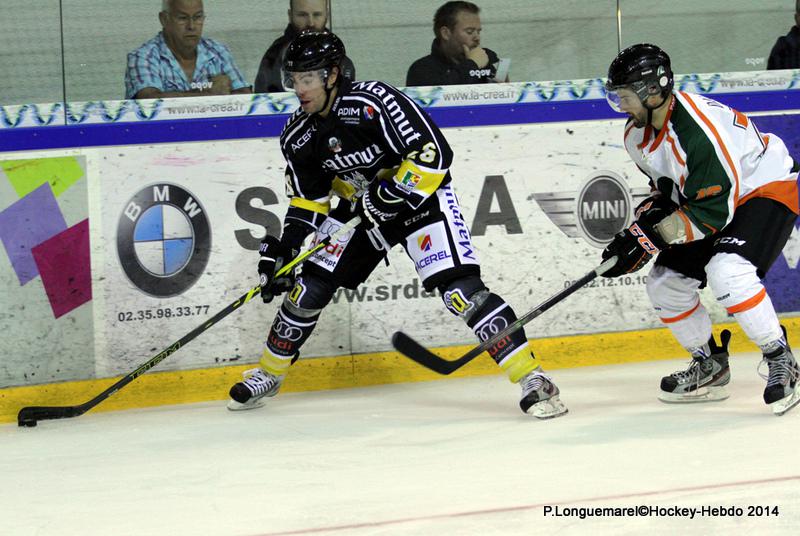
{"x": 373, "y": 148}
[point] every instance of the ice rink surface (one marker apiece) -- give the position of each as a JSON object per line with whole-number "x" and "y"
{"x": 441, "y": 458}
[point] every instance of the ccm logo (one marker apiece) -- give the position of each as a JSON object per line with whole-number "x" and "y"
{"x": 731, "y": 240}
{"x": 645, "y": 242}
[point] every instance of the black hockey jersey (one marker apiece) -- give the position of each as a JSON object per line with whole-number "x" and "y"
{"x": 373, "y": 132}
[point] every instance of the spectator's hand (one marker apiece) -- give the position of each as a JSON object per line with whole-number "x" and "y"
{"x": 478, "y": 55}
{"x": 220, "y": 85}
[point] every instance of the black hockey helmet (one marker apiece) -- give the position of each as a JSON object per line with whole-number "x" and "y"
{"x": 313, "y": 50}
{"x": 644, "y": 69}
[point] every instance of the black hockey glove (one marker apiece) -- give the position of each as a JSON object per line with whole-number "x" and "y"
{"x": 274, "y": 255}
{"x": 633, "y": 248}
{"x": 380, "y": 204}
{"x": 652, "y": 210}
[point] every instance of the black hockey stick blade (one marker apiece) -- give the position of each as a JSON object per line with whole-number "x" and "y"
{"x": 416, "y": 352}
{"x": 29, "y": 416}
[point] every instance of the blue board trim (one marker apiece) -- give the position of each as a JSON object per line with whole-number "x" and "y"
{"x": 187, "y": 130}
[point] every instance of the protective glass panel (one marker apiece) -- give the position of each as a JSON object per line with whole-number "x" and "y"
{"x": 30, "y": 52}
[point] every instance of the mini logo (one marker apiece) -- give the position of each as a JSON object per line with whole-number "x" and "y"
{"x": 602, "y": 207}
{"x": 334, "y": 144}
{"x": 163, "y": 240}
{"x": 369, "y": 113}
{"x": 425, "y": 243}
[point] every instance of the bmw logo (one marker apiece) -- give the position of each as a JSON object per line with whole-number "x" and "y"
{"x": 603, "y": 207}
{"x": 163, "y": 240}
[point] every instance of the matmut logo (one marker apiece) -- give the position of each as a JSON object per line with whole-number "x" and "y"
{"x": 349, "y": 161}
{"x": 424, "y": 242}
{"x": 393, "y": 108}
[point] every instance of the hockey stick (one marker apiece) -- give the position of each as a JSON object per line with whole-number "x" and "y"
{"x": 30, "y": 415}
{"x": 416, "y": 352}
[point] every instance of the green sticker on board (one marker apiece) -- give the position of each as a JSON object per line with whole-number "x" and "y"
{"x": 27, "y": 175}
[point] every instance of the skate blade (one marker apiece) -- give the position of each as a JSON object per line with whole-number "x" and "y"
{"x": 548, "y": 409}
{"x": 238, "y": 406}
{"x": 785, "y": 404}
{"x": 706, "y": 394}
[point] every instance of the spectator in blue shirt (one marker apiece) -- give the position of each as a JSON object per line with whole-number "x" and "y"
{"x": 179, "y": 61}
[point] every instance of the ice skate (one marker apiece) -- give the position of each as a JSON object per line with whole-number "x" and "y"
{"x": 705, "y": 378}
{"x": 540, "y": 396}
{"x": 251, "y": 392}
{"x": 782, "y": 392}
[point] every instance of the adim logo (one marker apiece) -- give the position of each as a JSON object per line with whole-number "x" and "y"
{"x": 424, "y": 242}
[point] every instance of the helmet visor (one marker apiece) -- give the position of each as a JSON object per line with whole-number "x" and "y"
{"x": 623, "y": 97}
{"x": 304, "y": 80}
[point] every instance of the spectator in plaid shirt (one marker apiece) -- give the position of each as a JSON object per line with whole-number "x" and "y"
{"x": 179, "y": 62}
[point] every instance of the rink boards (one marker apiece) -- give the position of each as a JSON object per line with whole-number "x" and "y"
{"x": 92, "y": 290}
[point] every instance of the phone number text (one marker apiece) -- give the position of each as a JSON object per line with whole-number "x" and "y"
{"x": 162, "y": 312}
{"x": 621, "y": 281}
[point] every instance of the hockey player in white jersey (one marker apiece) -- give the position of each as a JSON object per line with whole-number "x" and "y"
{"x": 386, "y": 161}
{"x": 724, "y": 203}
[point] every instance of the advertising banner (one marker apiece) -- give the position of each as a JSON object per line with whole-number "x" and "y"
{"x": 170, "y": 109}
{"x": 181, "y": 225}
{"x": 174, "y": 232}
{"x": 46, "y": 311}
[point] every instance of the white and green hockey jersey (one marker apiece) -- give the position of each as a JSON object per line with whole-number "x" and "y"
{"x": 710, "y": 159}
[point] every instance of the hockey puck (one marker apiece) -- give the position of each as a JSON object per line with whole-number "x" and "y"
{"x": 27, "y": 423}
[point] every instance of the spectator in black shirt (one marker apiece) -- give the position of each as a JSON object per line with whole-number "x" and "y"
{"x": 303, "y": 15}
{"x": 456, "y": 55}
{"x": 786, "y": 52}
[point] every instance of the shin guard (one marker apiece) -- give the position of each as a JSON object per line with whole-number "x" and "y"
{"x": 511, "y": 353}
{"x": 287, "y": 334}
